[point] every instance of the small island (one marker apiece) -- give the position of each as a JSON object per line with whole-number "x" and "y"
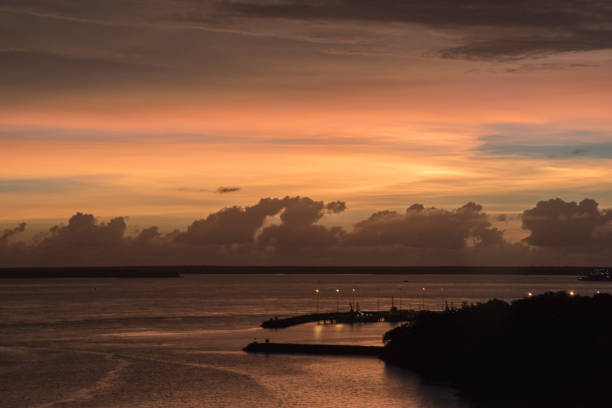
{"x": 553, "y": 349}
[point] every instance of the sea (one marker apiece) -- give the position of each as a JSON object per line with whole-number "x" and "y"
{"x": 177, "y": 342}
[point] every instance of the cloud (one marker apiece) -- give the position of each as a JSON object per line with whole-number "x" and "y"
{"x": 50, "y": 185}
{"x": 421, "y": 227}
{"x": 223, "y": 190}
{"x": 83, "y": 239}
{"x": 233, "y": 225}
{"x": 501, "y": 218}
{"x": 557, "y": 223}
{"x": 238, "y": 225}
{"x": 24, "y": 68}
{"x": 479, "y": 29}
{"x": 560, "y": 233}
{"x": 146, "y": 237}
{"x": 593, "y": 150}
{"x": 488, "y": 29}
{"x": 7, "y": 233}
{"x": 551, "y": 141}
{"x": 298, "y": 233}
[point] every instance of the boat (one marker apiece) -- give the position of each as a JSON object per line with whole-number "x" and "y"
{"x": 597, "y": 275}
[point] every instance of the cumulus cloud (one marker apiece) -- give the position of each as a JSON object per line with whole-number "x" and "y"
{"x": 4, "y": 236}
{"x": 557, "y": 223}
{"x": 501, "y": 218}
{"x": 81, "y": 241}
{"x": 147, "y": 236}
{"x": 421, "y": 227}
{"x": 298, "y": 233}
{"x": 233, "y": 225}
{"x": 560, "y": 232}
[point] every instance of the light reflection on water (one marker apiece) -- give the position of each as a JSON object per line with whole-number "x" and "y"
{"x": 176, "y": 342}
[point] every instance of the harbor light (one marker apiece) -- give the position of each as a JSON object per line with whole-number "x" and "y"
{"x": 423, "y": 299}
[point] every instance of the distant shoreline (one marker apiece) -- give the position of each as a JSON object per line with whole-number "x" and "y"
{"x": 176, "y": 271}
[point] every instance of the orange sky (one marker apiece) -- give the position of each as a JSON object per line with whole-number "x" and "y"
{"x": 127, "y": 114}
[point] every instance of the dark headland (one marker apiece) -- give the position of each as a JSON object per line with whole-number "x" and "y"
{"x": 551, "y": 350}
{"x": 177, "y": 270}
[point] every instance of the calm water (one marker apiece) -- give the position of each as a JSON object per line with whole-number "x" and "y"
{"x": 176, "y": 342}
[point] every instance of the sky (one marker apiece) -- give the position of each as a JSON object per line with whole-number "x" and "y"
{"x": 164, "y": 112}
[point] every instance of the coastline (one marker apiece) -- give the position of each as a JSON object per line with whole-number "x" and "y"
{"x": 176, "y": 270}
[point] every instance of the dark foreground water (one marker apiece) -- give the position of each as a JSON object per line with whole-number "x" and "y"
{"x": 176, "y": 342}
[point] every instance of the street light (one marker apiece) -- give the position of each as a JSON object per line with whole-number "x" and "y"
{"x": 354, "y": 304}
{"x": 423, "y": 299}
{"x": 337, "y": 300}
{"x": 317, "y": 295}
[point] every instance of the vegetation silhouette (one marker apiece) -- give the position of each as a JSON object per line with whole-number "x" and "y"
{"x": 553, "y": 349}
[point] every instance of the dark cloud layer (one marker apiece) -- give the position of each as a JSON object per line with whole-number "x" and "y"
{"x": 489, "y": 28}
{"x": 482, "y": 29}
{"x": 286, "y": 231}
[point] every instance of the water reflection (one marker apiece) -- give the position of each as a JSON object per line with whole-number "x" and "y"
{"x": 183, "y": 338}
{"x": 405, "y": 383}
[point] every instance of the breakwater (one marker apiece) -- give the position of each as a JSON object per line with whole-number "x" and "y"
{"x": 342, "y": 317}
{"x": 327, "y": 349}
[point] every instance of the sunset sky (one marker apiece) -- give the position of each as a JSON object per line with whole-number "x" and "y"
{"x": 165, "y": 111}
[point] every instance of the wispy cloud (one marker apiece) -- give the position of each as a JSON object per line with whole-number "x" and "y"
{"x": 223, "y": 190}
{"x": 547, "y": 141}
{"x": 51, "y": 185}
{"x": 490, "y": 30}
{"x": 593, "y": 150}
{"x": 482, "y": 29}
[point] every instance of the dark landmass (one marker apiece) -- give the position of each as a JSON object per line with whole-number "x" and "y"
{"x": 329, "y": 349}
{"x": 86, "y": 272}
{"x": 174, "y": 271}
{"x": 548, "y": 350}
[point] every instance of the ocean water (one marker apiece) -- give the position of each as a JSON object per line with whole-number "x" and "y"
{"x": 177, "y": 342}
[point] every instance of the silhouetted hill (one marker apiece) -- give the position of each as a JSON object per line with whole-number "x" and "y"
{"x": 174, "y": 270}
{"x": 549, "y": 350}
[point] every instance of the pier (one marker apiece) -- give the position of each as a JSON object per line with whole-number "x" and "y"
{"x": 327, "y": 349}
{"x": 342, "y": 317}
